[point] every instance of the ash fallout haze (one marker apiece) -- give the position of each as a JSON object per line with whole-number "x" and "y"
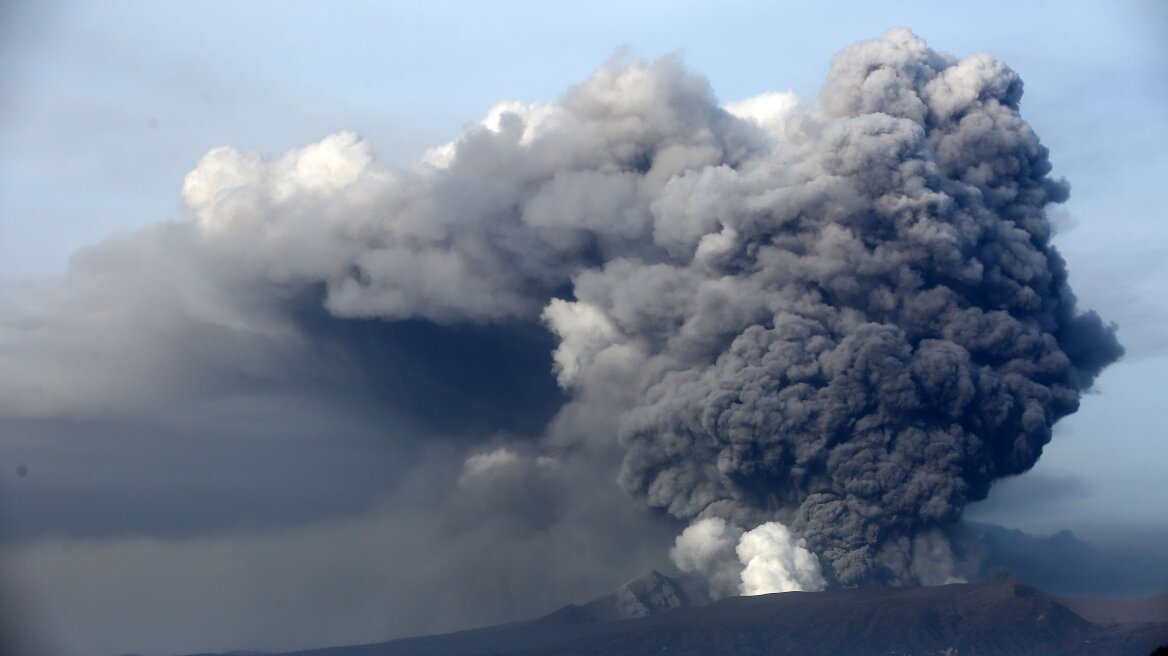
{"x": 789, "y": 309}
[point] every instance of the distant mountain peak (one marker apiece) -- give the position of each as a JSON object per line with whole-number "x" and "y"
{"x": 649, "y": 594}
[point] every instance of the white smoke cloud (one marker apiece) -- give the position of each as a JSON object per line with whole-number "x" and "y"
{"x": 765, "y": 559}
{"x": 536, "y": 119}
{"x": 501, "y": 462}
{"x": 773, "y": 110}
{"x": 482, "y": 464}
{"x": 773, "y": 560}
{"x": 584, "y": 331}
{"x": 228, "y": 183}
{"x": 706, "y": 547}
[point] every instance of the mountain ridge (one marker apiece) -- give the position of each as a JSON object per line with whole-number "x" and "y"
{"x": 652, "y": 614}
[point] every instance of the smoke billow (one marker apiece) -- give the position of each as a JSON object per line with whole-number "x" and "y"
{"x": 814, "y": 330}
{"x": 860, "y": 325}
{"x": 707, "y": 548}
{"x": 731, "y": 561}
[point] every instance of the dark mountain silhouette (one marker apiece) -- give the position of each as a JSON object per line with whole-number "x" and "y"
{"x": 1067, "y": 566}
{"x": 651, "y": 594}
{"x": 656, "y": 614}
{"x": 1119, "y": 612}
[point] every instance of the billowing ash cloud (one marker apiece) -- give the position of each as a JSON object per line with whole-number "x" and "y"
{"x": 859, "y": 326}
{"x": 825, "y": 326}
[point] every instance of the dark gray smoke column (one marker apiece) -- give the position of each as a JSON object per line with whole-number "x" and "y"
{"x": 872, "y": 326}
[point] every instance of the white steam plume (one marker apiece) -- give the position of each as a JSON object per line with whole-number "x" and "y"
{"x": 765, "y": 559}
{"x": 773, "y": 560}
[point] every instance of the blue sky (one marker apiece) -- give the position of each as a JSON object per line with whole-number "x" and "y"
{"x": 107, "y": 105}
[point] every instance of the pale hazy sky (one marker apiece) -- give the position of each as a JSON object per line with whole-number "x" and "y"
{"x": 107, "y": 105}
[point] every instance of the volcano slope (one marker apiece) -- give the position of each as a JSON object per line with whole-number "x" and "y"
{"x": 987, "y": 619}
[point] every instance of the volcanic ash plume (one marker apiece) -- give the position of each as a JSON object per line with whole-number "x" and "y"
{"x": 803, "y": 327}
{"x": 854, "y": 325}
